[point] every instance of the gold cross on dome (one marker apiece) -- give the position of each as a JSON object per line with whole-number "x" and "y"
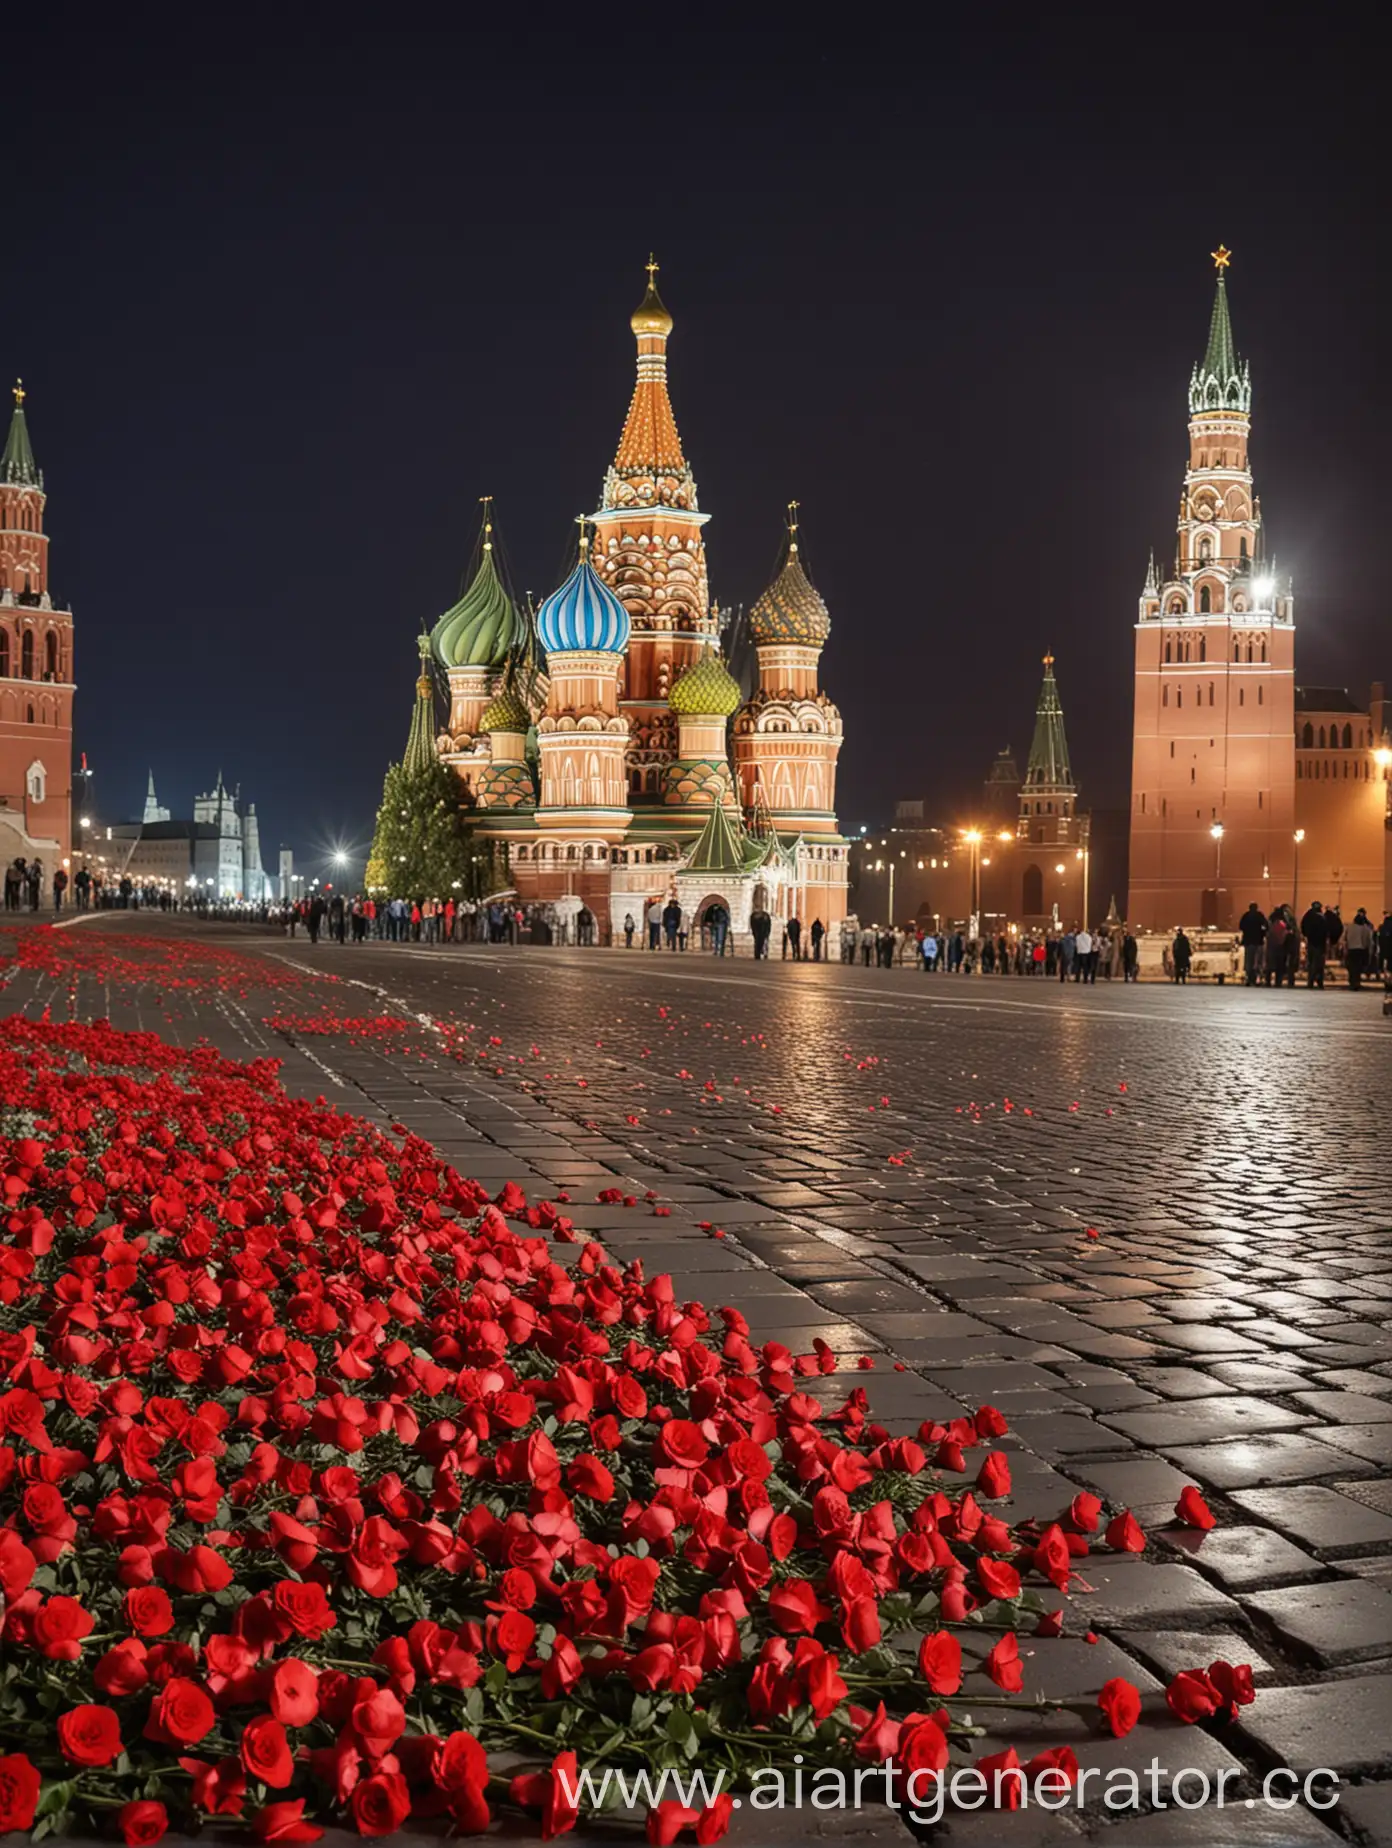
{"x": 19, "y": 392}
{"x": 1048, "y": 660}
{"x": 1222, "y": 257}
{"x": 652, "y": 270}
{"x": 582, "y": 520}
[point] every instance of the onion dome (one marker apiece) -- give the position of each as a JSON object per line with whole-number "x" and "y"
{"x": 583, "y": 616}
{"x": 791, "y": 610}
{"x": 507, "y": 713}
{"x": 707, "y": 688}
{"x": 484, "y": 626}
{"x": 651, "y": 316}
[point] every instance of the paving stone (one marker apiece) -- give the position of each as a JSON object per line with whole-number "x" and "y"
{"x": 1341, "y": 1724}
{"x": 1132, "y": 1591}
{"x": 1367, "y": 1808}
{"x": 1345, "y": 1620}
{"x": 1372, "y": 1442}
{"x": 1200, "y": 1421}
{"x": 1320, "y": 1517}
{"x": 1241, "y": 1558}
{"x": 1167, "y": 1652}
{"x": 1347, "y": 1408}
{"x": 1135, "y": 1483}
{"x": 1182, "y": 1382}
{"x": 1277, "y": 1456}
{"x": 1210, "y": 1827}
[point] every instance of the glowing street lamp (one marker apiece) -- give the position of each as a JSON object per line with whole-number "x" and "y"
{"x": 1295, "y": 900}
{"x": 972, "y": 836}
{"x": 1217, "y": 832}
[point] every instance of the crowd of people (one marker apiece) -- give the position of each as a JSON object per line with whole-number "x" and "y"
{"x": 1275, "y": 948}
{"x": 1076, "y": 954}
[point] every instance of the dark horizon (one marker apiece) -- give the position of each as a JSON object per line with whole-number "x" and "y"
{"x": 285, "y": 309}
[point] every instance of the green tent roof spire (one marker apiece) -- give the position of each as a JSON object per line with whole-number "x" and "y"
{"x": 1221, "y": 381}
{"x": 722, "y": 845}
{"x": 18, "y": 468}
{"x": 420, "y": 744}
{"x": 1048, "y": 759}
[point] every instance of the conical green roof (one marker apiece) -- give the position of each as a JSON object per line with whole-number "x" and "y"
{"x": 484, "y": 626}
{"x": 707, "y": 688}
{"x": 1048, "y": 759}
{"x": 420, "y": 742}
{"x": 722, "y": 845}
{"x": 507, "y": 713}
{"x": 18, "y": 468}
{"x": 1221, "y": 381}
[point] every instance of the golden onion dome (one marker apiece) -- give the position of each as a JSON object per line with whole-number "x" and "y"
{"x": 706, "y": 690}
{"x": 506, "y": 713}
{"x": 791, "y": 610}
{"x": 651, "y": 316}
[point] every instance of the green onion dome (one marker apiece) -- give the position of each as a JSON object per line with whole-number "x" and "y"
{"x": 707, "y": 688}
{"x": 790, "y": 610}
{"x": 507, "y": 713}
{"x": 483, "y": 627}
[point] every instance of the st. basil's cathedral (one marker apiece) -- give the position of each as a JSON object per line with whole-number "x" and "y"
{"x": 604, "y": 739}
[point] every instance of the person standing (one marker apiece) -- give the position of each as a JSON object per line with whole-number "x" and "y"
{"x": 1384, "y": 937}
{"x": 1182, "y": 952}
{"x": 60, "y": 886}
{"x": 761, "y": 929}
{"x": 1252, "y": 929}
{"x": 928, "y": 949}
{"x": 1067, "y": 950}
{"x": 34, "y": 874}
{"x": 629, "y": 928}
{"x": 795, "y": 937}
{"x": 1277, "y": 932}
{"x": 316, "y": 917}
{"x": 1082, "y": 954}
{"x": 1130, "y": 958}
{"x": 1312, "y": 929}
{"x": 654, "y": 922}
{"x": 671, "y": 922}
{"x": 1358, "y": 943}
{"x": 818, "y": 932}
{"x": 718, "y": 923}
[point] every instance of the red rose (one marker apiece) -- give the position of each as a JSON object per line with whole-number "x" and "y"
{"x": 714, "y": 1820}
{"x": 922, "y": 1747}
{"x": 122, "y": 1670}
{"x": 89, "y": 1735}
{"x": 1124, "y": 1534}
{"x": 630, "y": 1401}
{"x": 305, "y": 1608}
{"x": 940, "y": 1662}
{"x": 379, "y": 1721}
{"x": 380, "y": 1804}
{"x": 588, "y": 1476}
{"x": 1083, "y": 1512}
{"x": 294, "y": 1693}
{"x": 148, "y": 1611}
{"x": 993, "y": 1478}
{"x": 795, "y": 1608}
{"x": 180, "y": 1714}
{"x": 142, "y": 1823}
{"x": 1003, "y": 1664}
{"x": 1192, "y": 1696}
{"x": 553, "y": 1792}
{"x": 517, "y": 1588}
{"x": 1004, "y": 1778}
{"x": 17, "y": 1565}
{"x": 1121, "y": 1706}
{"x": 562, "y": 1671}
{"x": 266, "y": 1752}
{"x": 284, "y": 1822}
{"x": 860, "y": 1625}
{"x": 998, "y": 1580}
{"x": 19, "y": 1793}
{"x": 1193, "y": 1510}
{"x": 1052, "y": 1559}
{"x": 59, "y": 1627}
{"x": 510, "y": 1637}
{"x": 1234, "y": 1685}
{"x": 680, "y": 1443}
{"x": 989, "y": 1422}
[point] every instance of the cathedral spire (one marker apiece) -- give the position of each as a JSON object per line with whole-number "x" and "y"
{"x": 420, "y": 743}
{"x": 1151, "y": 587}
{"x": 1221, "y": 381}
{"x": 1049, "y": 768}
{"x": 17, "y": 466}
{"x": 649, "y": 467}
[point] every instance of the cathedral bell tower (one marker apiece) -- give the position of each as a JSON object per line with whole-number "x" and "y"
{"x": 1213, "y": 753}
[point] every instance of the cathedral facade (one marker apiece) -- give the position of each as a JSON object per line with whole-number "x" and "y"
{"x": 1245, "y": 786}
{"x": 36, "y": 667}
{"x": 603, "y": 739}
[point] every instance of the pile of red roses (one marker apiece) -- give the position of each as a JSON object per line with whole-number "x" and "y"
{"x": 324, "y": 1482}
{"x": 167, "y": 962}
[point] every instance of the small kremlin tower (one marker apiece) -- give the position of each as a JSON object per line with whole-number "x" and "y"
{"x": 36, "y": 668}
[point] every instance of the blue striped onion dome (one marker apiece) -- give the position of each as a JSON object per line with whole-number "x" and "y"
{"x": 583, "y": 616}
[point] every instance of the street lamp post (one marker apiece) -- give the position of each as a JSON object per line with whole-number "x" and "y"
{"x": 1217, "y": 832}
{"x": 1085, "y": 855}
{"x": 1295, "y": 899}
{"x": 973, "y": 839}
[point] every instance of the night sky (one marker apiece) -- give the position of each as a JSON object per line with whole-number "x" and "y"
{"x": 287, "y": 302}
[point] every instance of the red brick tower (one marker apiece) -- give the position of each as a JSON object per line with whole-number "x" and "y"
{"x": 648, "y": 550}
{"x": 36, "y": 668}
{"x": 1213, "y": 759}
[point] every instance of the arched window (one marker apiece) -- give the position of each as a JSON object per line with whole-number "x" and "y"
{"x": 1322, "y": 739}
{"x": 1165, "y": 694}
{"x": 1205, "y": 551}
{"x": 1307, "y": 737}
{"x": 51, "y": 655}
{"x": 26, "y": 655}
{"x": 1203, "y": 647}
{"x": 4, "y": 654}
{"x": 1263, "y": 648}
{"x": 1032, "y": 892}
{"x": 1167, "y": 654}
{"x": 1205, "y": 600}
{"x": 28, "y": 715}
{"x": 1210, "y": 692}
{"x": 1348, "y": 737}
{"x": 1237, "y": 651}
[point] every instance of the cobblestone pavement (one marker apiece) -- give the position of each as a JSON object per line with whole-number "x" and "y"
{"x": 1152, "y": 1225}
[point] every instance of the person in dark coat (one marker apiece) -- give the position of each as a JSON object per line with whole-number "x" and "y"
{"x": 795, "y": 938}
{"x": 1182, "y": 953}
{"x": 818, "y": 932}
{"x": 1252, "y": 930}
{"x": 1313, "y": 929}
{"x": 760, "y": 928}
